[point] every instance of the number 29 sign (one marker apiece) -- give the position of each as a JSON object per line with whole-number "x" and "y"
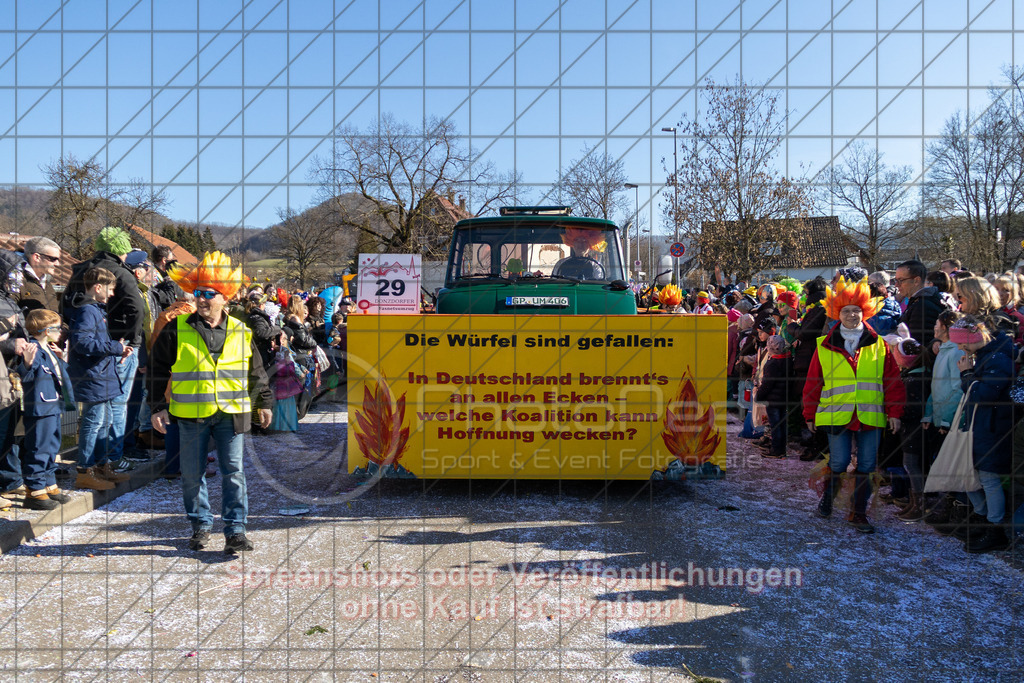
{"x": 389, "y": 283}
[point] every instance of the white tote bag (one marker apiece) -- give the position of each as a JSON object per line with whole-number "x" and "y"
{"x": 953, "y": 469}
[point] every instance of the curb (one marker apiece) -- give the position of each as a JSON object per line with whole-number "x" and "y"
{"x": 30, "y": 524}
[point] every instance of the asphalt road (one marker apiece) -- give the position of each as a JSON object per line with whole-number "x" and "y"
{"x": 503, "y": 581}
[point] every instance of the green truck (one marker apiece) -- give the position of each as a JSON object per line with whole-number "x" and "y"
{"x": 536, "y": 260}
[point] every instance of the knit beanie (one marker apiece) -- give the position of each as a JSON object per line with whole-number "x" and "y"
{"x": 112, "y": 240}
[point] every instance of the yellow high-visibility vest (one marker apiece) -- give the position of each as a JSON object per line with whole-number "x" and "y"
{"x": 200, "y": 387}
{"x": 846, "y": 390}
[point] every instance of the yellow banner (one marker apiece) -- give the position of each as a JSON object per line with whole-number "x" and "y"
{"x": 537, "y": 397}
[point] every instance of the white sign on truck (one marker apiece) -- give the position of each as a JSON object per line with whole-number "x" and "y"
{"x": 389, "y": 283}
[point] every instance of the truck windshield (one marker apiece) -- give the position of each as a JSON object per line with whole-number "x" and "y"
{"x": 547, "y": 251}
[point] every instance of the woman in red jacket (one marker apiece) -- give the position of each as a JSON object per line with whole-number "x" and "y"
{"x": 853, "y": 391}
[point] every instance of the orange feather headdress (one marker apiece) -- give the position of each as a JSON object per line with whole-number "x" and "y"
{"x": 214, "y": 272}
{"x": 851, "y": 294}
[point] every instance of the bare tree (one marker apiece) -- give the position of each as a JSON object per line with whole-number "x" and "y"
{"x": 976, "y": 178}
{"x": 594, "y": 184}
{"x": 871, "y": 197}
{"x": 734, "y": 206}
{"x": 400, "y": 171}
{"x": 79, "y": 188}
{"x": 133, "y": 204}
{"x": 307, "y": 241}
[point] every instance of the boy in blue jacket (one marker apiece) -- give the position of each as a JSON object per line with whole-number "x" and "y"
{"x": 44, "y": 381}
{"x": 93, "y": 369}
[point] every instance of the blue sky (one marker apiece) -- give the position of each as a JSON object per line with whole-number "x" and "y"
{"x": 222, "y": 104}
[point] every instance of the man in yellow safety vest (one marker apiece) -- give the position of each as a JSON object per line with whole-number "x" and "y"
{"x": 206, "y": 359}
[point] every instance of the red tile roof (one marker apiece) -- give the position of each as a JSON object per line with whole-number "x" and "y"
{"x": 183, "y": 257}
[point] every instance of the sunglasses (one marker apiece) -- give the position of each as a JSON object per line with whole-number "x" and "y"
{"x": 203, "y": 294}
{"x": 52, "y": 328}
{"x": 51, "y": 259}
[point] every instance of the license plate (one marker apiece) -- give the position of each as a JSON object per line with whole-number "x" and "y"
{"x": 536, "y": 301}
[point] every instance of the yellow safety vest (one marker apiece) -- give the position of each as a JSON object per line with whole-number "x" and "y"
{"x": 200, "y": 387}
{"x": 846, "y": 391}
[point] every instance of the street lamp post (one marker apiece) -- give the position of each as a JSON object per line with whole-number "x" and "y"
{"x": 636, "y": 215}
{"x": 675, "y": 199}
{"x": 651, "y": 270}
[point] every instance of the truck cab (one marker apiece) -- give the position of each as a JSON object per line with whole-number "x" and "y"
{"x": 536, "y": 260}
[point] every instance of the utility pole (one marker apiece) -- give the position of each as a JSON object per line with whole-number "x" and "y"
{"x": 675, "y": 200}
{"x": 636, "y": 211}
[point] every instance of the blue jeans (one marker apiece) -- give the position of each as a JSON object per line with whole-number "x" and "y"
{"x": 39, "y": 457}
{"x": 10, "y": 462}
{"x": 840, "y": 446}
{"x": 780, "y": 429}
{"x": 172, "y": 449}
{"x": 133, "y": 409}
{"x": 195, "y": 438}
{"x": 990, "y": 500}
{"x": 119, "y": 405}
{"x": 93, "y": 434}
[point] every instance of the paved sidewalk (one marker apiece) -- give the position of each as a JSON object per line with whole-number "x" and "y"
{"x": 505, "y": 581}
{"x": 18, "y": 524}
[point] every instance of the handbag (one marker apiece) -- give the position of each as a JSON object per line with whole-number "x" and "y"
{"x": 322, "y": 361}
{"x": 953, "y": 469}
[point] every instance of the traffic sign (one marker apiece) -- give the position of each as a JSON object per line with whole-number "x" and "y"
{"x": 677, "y": 249}
{"x": 637, "y": 263}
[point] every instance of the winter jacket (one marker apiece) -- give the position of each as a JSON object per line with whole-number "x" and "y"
{"x": 892, "y": 387}
{"x": 989, "y": 407}
{"x": 805, "y": 338}
{"x": 92, "y": 363}
{"x": 299, "y": 338}
{"x": 45, "y": 384}
{"x": 125, "y": 310}
{"x": 1005, "y": 322}
{"x": 166, "y": 291}
{"x": 888, "y": 317}
{"x": 774, "y": 390}
{"x": 165, "y": 354}
{"x": 35, "y": 295}
{"x": 1016, "y": 315}
{"x": 264, "y": 335}
{"x": 922, "y": 310}
{"x": 946, "y": 390}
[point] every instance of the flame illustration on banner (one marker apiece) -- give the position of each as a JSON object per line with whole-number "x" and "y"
{"x": 379, "y": 428}
{"x": 692, "y": 438}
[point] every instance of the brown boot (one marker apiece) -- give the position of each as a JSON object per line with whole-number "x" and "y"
{"x": 38, "y": 500}
{"x": 106, "y": 471}
{"x": 87, "y": 478}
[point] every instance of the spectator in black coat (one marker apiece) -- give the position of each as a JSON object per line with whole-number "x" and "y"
{"x": 924, "y": 304}
{"x": 267, "y": 336}
{"x": 774, "y": 393}
{"x": 299, "y": 337}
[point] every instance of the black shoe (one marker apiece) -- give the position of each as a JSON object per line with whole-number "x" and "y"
{"x": 60, "y": 497}
{"x": 970, "y": 528}
{"x": 123, "y": 465}
{"x": 861, "y": 523}
{"x": 775, "y": 456}
{"x": 171, "y": 475}
{"x": 825, "y": 505}
{"x": 992, "y": 538}
{"x": 237, "y": 544}
{"x": 200, "y": 539}
{"x": 808, "y": 455}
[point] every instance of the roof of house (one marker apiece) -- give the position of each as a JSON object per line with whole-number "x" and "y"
{"x": 61, "y": 272}
{"x": 824, "y": 244}
{"x": 182, "y": 256}
{"x": 455, "y": 212}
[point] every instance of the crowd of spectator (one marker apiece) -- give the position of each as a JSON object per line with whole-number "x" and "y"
{"x": 866, "y": 373}
{"x": 91, "y": 346}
